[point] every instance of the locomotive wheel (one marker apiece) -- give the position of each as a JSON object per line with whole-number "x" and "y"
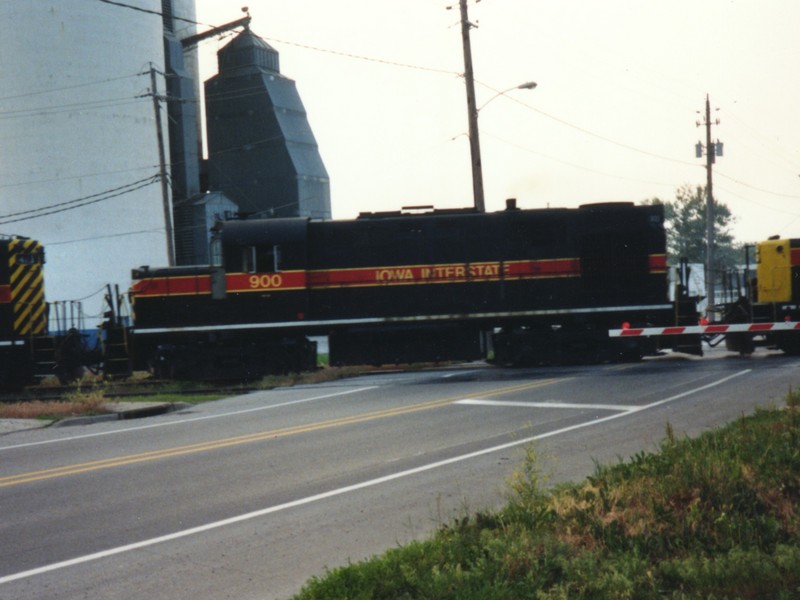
{"x": 788, "y": 344}
{"x": 742, "y": 343}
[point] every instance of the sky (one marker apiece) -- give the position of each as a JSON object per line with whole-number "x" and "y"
{"x": 621, "y": 86}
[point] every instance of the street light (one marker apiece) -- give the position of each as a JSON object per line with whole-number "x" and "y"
{"x": 528, "y": 85}
{"x": 474, "y": 137}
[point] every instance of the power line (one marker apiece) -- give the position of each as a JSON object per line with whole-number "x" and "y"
{"x": 91, "y": 105}
{"x": 758, "y": 189}
{"x": 448, "y": 72}
{"x": 575, "y": 165}
{"x": 633, "y": 148}
{"x": 68, "y": 202}
{"x": 159, "y": 230}
{"x": 382, "y": 61}
{"x": 147, "y": 11}
{"x": 756, "y": 202}
{"x": 597, "y": 135}
{"x": 243, "y": 93}
{"x": 69, "y": 87}
{"x": 73, "y": 177}
{"x": 60, "y": 207}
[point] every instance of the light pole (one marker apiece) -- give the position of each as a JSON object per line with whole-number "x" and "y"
{"x": 472, "y": 109}
{"x": 475, "y": 141}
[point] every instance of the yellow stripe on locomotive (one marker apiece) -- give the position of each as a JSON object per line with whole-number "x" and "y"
{"x": 26, "y": 287}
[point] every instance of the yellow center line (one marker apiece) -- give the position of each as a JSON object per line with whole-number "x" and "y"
{"x": 152, "y": 455}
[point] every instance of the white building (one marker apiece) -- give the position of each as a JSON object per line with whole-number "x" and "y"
{"x": 78, "y": 146}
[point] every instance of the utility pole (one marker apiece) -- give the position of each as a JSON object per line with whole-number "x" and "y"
{"x": 162, "y": 164}
{"x": 712, "y": 150}
{"x": 472, "y": 113}
{"x": 710, "y": 214}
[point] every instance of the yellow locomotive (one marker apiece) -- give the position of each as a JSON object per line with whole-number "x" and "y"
{"x": 772, "y": 302}
{"x": 23, "y": 310}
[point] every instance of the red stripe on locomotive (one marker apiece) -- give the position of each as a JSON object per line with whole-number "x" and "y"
{"x": 169, "y": 286}
{"x": 795, "y": 257}
{"x": 235, "y": 282}
{"x": 657, "y": 263}
{"x": 374, "y": 276}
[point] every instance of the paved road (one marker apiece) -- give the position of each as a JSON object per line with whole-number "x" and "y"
{"x": 248, "y": 497}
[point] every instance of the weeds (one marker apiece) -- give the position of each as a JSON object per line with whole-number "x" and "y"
{"x": 76, "y": 403}
{"x": 321, "y": 375}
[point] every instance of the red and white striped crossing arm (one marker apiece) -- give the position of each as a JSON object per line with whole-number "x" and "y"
{"x": 706, "y": 329}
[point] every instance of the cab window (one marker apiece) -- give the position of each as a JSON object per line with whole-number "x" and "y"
{"x": 216, "y": 252}
{"x": 255, "y": 259}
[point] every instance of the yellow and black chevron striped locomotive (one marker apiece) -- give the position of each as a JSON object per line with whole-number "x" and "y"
{"x": 23, "y": 311}
{"x": 29, "y": 346}
{"x": 536, "y": 286}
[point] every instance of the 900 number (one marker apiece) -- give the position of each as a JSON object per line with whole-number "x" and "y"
{"x": 266, "y": 281}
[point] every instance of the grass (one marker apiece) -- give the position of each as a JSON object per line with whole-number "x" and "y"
{"x": 711, "y": 517}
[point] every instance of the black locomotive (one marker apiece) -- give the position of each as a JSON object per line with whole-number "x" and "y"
{"x": 530, "y": 286}
{"x": 518, "y": 286}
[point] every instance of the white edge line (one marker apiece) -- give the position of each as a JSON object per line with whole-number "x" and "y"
{"x": 343, "y": 490}
{"x": 190, "y": 420}
{"x": 484, "y": 402}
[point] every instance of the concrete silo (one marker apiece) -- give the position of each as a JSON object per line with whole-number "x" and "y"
{"x": 78, "y": 151}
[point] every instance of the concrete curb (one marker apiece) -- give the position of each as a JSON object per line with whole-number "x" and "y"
{"x": 118, "y": 411}
{"x": 125, "y": 410}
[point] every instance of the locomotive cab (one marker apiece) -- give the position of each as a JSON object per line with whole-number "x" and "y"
{"x": 262, "y": 263}
{"x": 237, "y": 317}
{"x": 778, "y": 270}
{"x": 23, "y": 311}
{"x": 778, "y": 290}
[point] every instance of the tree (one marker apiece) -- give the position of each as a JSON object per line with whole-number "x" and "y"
{"x": 685, "y": 220}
